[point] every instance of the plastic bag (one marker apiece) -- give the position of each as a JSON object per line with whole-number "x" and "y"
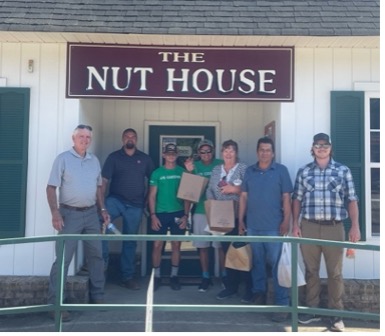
{"x": 284, "y": 267}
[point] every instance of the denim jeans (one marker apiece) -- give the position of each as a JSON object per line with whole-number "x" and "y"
{"x": 267, "y": 253}
{"x": 132, "y": 217}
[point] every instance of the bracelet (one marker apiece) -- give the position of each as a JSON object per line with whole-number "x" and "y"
{"x": 102, "y": 209}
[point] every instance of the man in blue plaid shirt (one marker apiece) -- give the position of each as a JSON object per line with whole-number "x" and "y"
{"x": 324, "y": 196}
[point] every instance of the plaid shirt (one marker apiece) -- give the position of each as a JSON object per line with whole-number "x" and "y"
{"x": 324, "y": 193}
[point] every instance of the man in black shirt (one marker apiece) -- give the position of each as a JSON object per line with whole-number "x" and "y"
{"x": 127, "y": 172}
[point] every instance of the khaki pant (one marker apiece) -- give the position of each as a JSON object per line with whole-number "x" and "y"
{"x": 333, "y": 256}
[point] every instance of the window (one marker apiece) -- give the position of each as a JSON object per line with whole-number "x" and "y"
{"x": 372, "y": 122}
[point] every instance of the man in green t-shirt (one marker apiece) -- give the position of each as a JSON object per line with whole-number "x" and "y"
{"x": 203, "y": 167}
{"x": 167, "y": 212}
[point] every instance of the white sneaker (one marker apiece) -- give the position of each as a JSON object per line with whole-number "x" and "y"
{"x": 337, "y": 324}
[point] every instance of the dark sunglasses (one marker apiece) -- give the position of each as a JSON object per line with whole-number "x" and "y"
{"x": 209, "y": 151}
{"x": 318, "y": 146}
{"x": 81, "y": 126}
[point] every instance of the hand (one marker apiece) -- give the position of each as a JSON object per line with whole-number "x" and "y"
{"x": 296, "y": 232}
{"x": 189, "y": 164}
{"x": 354, "y": 234}
{"x": 241, "y": 228}
{"x": 57, "y": 221}
{"x": 155, "y": 223}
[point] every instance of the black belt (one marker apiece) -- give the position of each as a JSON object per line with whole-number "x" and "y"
{"x": 65, "y": 206}
{"x": 324, "y": 222}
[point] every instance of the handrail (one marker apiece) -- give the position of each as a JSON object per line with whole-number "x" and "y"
{"x": 294, "y": 309}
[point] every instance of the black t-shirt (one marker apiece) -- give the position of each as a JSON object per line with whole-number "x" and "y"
{"x": 128, "y": 176}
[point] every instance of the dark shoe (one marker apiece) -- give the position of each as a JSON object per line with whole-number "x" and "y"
{"x": 308, "y": 318}
{"x": 205, "y": 284}
{"x": 65, "y": 316}
{"x": 97, "y": 301}
{"x": 337, "y": 324}
{"x": 259, "y": 299}
{"x": 248, "y": 297}
{"x": 174, "y": 283}
{"x": 279, "y": 317}
{"x": 130, "y": 284}
{"x": 225, "y": 282}
{"x": 157, "y": 283}
{"x": 226, "y": 293}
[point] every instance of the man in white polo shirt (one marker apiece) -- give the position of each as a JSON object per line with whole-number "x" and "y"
{"x": 76, "y": 173}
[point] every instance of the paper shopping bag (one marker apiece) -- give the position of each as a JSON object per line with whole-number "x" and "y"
{"x": 220, "y": 215}
{"x": 239, "y": 257}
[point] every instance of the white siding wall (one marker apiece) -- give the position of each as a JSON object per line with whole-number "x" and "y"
{"x": 52, "y": 119}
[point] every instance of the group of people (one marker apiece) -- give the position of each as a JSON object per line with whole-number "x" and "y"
{"x": 266, "y": 204}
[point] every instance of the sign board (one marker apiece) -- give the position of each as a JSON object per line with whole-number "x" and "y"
{"x": 182, "y": 73}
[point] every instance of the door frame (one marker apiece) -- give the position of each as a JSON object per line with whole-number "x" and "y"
{"x": 147, "y": 124}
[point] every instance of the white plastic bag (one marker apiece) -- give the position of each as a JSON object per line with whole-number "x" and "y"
{"x": 284, "y": 267}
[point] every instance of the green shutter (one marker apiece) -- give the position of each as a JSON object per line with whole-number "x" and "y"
{"x": 14, "y": 124}
{"x": 348, "y": 137}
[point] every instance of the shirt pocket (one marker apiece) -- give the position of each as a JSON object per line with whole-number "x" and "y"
{"x": 335, "y": 184}
{"x": 309, "y": 184}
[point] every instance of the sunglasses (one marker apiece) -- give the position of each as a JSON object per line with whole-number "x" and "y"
{"x": 81, "y": 126}
{"x": 209, "y": 151}
{"x": 318, "y": 146}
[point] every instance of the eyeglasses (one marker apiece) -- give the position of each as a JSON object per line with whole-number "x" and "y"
{"x": 318, "y": 146}
{"x": 209, "y": 151}
{"x": 81, "y": 126}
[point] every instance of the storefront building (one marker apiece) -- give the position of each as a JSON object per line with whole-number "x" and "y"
{"x": 183, "y": 70}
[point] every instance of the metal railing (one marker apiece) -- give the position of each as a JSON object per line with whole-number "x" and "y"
{"x": 294, "y": 309}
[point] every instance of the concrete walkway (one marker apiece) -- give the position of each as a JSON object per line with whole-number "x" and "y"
{"x": 167, "y": 321}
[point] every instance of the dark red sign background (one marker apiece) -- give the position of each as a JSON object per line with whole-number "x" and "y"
{"x": 153, "y": 85}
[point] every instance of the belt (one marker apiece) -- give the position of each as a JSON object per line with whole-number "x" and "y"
{"x": 65, "y": 206}
{"x": 324, "y": 222}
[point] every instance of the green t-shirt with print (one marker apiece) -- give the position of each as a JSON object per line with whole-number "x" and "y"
{"x": 205, "y": 171}
{"x": 167, "y": 183}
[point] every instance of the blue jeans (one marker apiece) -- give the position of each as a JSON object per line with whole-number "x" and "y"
{"x": 267, "y": 253}
{"x": 132, "y": 217}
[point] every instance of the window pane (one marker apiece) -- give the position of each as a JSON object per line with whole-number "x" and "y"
{"x": 374, "y": 146}
{"x": 375, "y": 114}
{"x": 375, "y": 198}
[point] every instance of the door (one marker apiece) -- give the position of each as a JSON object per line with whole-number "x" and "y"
{"x": 186, "y": 138}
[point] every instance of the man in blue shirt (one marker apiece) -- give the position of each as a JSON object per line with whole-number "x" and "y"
{"x": 265, "y": 206}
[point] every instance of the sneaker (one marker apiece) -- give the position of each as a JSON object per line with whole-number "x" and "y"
{"x": 174, "y": 283}
{"x": 308, "y": 318}
{"x": 205, "y": 284}
{"x": 224, "y": 281}
{"x": 259, "y": 299}
{"x": 224, "y": 294}
{"x": 65, "y": 316}
{"x": 157, "y": 283}
{"x": 279, "y": 317}
{"x": 337, "y": 324}
{"x": 130, "y": 284}
{"x": 248, "y": 297}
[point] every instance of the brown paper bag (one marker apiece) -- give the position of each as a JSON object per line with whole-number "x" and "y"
{"x": 191, "y": 187}
{"x": 220, "y": 215}
{"x": 239, "y": 258}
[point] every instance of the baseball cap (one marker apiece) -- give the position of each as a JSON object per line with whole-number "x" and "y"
{"x": 205, "y": 142}
{"x": 170, "y": 148}
{"x": 321, "y": 136}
